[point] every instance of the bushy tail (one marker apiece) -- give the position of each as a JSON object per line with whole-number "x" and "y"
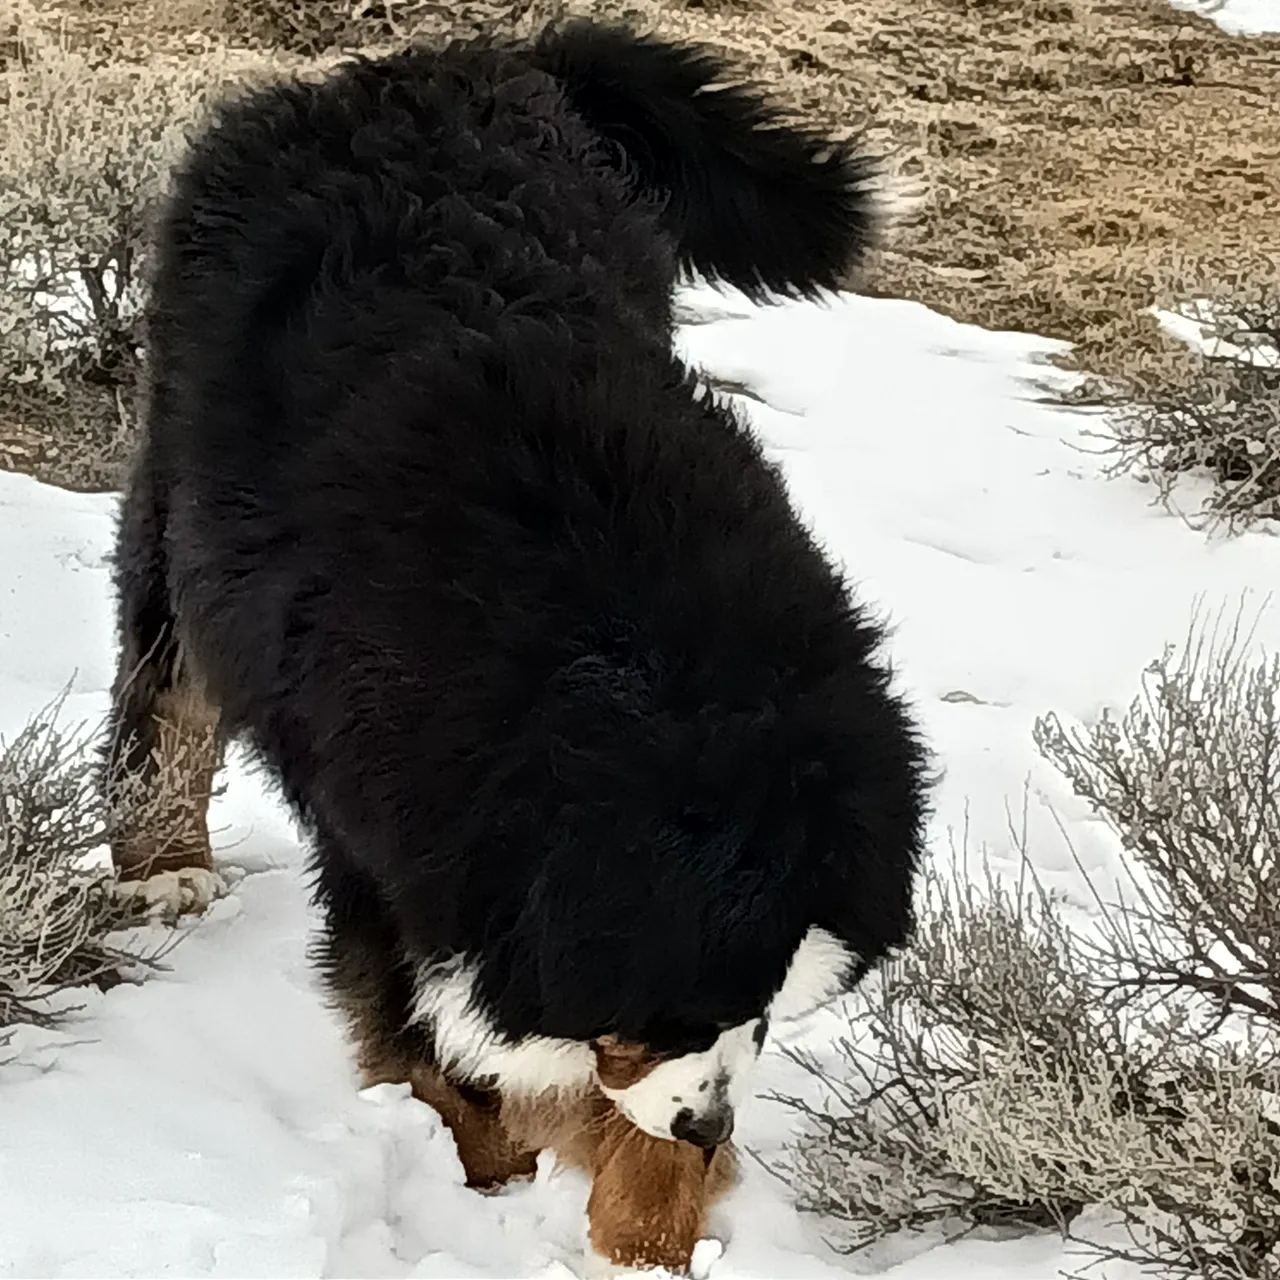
{"x": 750, "y": 199}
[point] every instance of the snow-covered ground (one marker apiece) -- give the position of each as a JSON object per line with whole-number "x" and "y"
{"x": 1201, "y": 324}
{"x": 207, "y": 1122}
{"x": 1239, "y": 17}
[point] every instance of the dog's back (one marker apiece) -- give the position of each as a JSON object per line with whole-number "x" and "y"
{"x": 363, "y": 286}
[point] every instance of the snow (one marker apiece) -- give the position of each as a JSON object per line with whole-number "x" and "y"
{"x": 208, "y": 1123}
{"x": 1199, "y": 324}
{"x": 1238, "y": 17}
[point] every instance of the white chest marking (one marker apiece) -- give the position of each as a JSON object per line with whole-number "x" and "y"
{"x": 471, "y": 1047}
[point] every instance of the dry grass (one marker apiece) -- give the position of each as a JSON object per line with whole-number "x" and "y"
{"x": 1076, "y": 152}
{"x": 1081, "y": 158}
{"x": 85, "y": 147}
{"x": 290, "y": 30}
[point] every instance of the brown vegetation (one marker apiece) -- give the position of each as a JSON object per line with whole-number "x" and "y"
{"x": 1081, "y": 159}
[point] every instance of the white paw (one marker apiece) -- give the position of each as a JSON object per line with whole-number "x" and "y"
{"x": 170, "y": 894}
{"x": 706, "y": 1253}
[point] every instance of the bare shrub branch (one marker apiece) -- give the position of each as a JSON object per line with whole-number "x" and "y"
{"x": 1189, "y": 778}
{"x": 1213, "y": 409}
{"x": 85, "y": 149}
{"x": 58, "y": 906}
{"x": 987, "y": 984}
{"x": 1019, "y": 1064}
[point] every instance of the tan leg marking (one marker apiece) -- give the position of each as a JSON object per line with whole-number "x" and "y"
{"x": 160, "y": 816}
{"x": 650, "y": 1196}
{"x": 490, "y": 1155}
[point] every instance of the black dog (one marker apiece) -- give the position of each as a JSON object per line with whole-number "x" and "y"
{"x": 601, "y": 767}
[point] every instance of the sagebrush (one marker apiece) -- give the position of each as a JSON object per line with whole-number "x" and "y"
{"x": 1209, "y": 406}
{"x": 59, "y": 908}
{"x": 1023, "y": 1062}
{"x": 85, "y": 148}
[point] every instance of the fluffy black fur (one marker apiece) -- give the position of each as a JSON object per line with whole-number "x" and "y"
{"x": 766, "y": 205}
{"x": 524, "y": 624}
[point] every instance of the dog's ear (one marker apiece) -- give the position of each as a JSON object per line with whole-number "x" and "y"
{"x": 610, "y": 937}
{"x": 628, "y": 933}
{"x": 620, "y": 1064}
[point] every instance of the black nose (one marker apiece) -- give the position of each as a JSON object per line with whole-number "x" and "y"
{"x": 708, "y": 1131}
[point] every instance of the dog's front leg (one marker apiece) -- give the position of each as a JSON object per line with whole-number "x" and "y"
{"x": 649, "y": 1199}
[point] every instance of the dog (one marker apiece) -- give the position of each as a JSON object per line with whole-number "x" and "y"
{"x": 599, "y": 761}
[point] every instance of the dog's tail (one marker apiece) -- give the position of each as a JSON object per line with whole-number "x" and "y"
{"x": 750, "y": 199}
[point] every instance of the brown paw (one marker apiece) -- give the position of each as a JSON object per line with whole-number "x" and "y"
{"x": 497, "y": 1187}
{"x": 490, "y": 1174}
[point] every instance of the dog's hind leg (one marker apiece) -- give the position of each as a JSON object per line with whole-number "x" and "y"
{"x": 164, "y": 746}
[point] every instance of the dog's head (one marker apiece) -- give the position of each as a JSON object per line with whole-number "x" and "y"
{"x": 691, "y": 1096}
{"x": 705, "y": 811}
{"x": 691, "y": 1091}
